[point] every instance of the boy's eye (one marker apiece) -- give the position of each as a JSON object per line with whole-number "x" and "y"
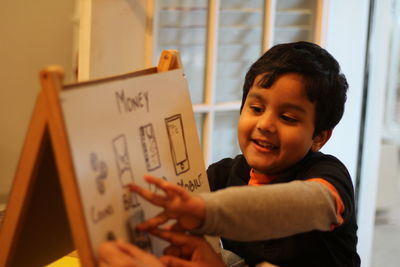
{"x": 289, "y": 118}
{"x": 256, "y": 109}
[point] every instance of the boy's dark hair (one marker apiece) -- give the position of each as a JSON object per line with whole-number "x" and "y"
{"x": 325, "y": 84}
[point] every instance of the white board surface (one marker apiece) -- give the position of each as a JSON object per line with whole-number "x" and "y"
{"x": 119, "y": 130}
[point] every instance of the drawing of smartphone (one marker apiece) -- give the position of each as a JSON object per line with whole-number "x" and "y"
{"x": 177, "y": 143}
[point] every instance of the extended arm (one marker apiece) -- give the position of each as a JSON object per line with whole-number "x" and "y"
{"x": 245, "y": 213}
{"x": 248, "y": 213}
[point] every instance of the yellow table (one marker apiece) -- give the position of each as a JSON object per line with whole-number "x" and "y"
{"x": 70, "y": 260}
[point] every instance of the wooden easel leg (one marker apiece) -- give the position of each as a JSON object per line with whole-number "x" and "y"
{"x": 35, "y": 225}
{"x": 45, "y": 233}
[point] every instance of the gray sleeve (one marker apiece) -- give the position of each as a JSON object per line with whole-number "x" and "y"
{"x": 251, "y": 213}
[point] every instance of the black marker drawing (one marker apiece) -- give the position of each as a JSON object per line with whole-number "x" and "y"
{"x": 97, "y": 214}
{"x": 139, "y": 238}
{"x": 150, "y": 149}
{"x": 122, "y": 159}
{"x": 129, "y": 200}
{"x": 100, "y": 168}
{"x": 111, "y": 236}
{"x": 177, "y": 143}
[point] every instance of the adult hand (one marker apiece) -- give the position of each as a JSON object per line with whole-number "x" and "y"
{"x": 122, "y": 254}
{"x": 189, "y": 210}
{"x": 187, "y": 250}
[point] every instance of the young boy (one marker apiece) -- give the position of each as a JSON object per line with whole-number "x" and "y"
{"x": 293, "y": 97}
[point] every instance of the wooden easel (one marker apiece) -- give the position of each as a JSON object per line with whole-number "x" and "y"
{"x": 44, "y": 219}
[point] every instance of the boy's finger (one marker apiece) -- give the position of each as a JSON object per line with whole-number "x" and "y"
{"x": 175, "y": 228}
{"x": 153, "y": 198}
{"x": 159, "y": 219}
{"x": 177, "y": 190}
{"x": 160, "y": 183}
{"x": 167, "y": 187}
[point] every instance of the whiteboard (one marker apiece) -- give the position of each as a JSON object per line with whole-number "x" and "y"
{"x": 120, "y": 129}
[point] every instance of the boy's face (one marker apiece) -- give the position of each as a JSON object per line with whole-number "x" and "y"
{"x": 276, "y": 125}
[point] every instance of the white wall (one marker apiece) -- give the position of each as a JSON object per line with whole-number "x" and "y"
{"x": 33, "y": 34}
{"x": 38, "y": 33}
{"x": 112, "y": 36}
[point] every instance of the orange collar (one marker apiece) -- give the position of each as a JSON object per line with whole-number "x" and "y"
{"x": 260, "y": 178}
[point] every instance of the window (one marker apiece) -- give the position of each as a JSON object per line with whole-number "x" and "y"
{"x": 218, "y": 40}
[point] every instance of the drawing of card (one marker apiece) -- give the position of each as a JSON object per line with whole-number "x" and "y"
{"x": 177, "y": 143}
{"x": 122, "y": 159}
{"x": 150, "y": 149}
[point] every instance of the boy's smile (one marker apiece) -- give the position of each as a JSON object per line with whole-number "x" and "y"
{"x": 276, "y": 125}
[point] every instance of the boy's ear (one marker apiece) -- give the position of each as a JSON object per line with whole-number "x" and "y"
{"x": 320, "y": 140}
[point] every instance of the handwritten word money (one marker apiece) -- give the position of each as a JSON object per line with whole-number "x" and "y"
{"x": 136, "y": 102}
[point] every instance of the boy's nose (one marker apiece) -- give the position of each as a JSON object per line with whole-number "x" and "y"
{"x": 266, "y": 123}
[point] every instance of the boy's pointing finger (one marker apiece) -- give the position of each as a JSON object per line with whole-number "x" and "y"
{"x": 154, "y": 222}
{"x": 169, "y": 188}
{"x": 153, "y": 198}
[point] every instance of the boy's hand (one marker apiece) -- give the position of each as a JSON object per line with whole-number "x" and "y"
{"x": 188, "y": 210}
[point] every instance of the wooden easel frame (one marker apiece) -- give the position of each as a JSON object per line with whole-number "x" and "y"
{"x": 44, "y": 218}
